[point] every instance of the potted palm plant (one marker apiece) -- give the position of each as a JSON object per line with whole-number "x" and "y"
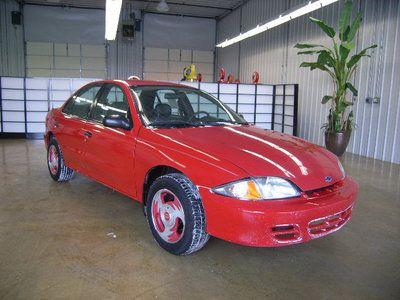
{"x": 340, "y": 65}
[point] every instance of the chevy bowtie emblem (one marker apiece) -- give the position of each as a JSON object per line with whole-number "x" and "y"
{"x": 328, "y": 178}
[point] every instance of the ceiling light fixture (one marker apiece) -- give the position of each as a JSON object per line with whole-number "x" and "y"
{"x": 162, "y": 6}
{"x": 283, "y": 18}
{"x": 113, "y": 10}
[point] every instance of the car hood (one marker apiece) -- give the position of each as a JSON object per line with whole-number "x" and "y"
{"x": 260, "y": 152}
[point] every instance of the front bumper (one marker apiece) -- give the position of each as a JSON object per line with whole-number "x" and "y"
{"x": 280, "y": 222}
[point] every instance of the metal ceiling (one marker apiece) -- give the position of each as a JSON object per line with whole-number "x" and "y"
{"x": 194, "y": 8}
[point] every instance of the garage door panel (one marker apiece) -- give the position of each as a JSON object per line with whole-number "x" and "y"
{"x": 78, "y": 83}
{"x": 36, "y": 127}
{"x": 204, "y": 68}
{"x": 37, "y": 83}
{"x": 209, "y": 87}
{"x": 262, "y": 108}
{"x": 67, "y": 73}
{"x": 67, "y": 63}
{"x": 60, "y": 95}
{"x": 93, "y": 63}
{"x": 265, "y": 89}
{"x": 60, "y": 49}
{"x": 9, "y": 94}
{"x": 248, "y": 99}
{"x": 93, "y": 74}
{"x": 12, "y": 105}
{"x": 176, "y": 67}
{"x": 155, "y": 66}
{"x": 38, "y": 48}
{"x": 98, "y": 51}
{"x": 74, "y": 50}
{"x": 39, "y": 73}
{"x": 37, "y": 105}
{"x": 36, "y": 116}
{"x": 12, "y": 83}
{"x": 14, "y": 127}
{"x": 13, "y": 116}
{"x": 263, "y": 118}
{"x": 203, "y": 56}
{"x": 186, "y": 55}
{"x": 39, "y": 62}
{"x": 36, "y": 95}
{"x": 155, "y": 54}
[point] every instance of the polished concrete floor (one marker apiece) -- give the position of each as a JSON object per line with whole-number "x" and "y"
{"x": 55, "y": 242}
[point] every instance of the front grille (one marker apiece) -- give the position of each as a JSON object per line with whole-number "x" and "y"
{"x": 286, "y": 233}
{"x": 329, "y": 223}
{"x": 325, "y": 190}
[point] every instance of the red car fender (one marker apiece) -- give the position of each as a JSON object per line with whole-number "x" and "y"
{"x": 150, "y": 155}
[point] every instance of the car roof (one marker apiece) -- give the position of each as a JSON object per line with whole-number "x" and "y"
{"x": 145, "y": 83}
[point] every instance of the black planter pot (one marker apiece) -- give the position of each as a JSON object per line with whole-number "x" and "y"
{"x": 337, "y": 142}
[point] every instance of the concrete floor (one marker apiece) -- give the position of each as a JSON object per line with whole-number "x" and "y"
{"x": 54, "y": 243}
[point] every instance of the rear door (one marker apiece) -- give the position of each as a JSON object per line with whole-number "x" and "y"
{"x": 109, "y": 152}
{"x": 72, "y": 127}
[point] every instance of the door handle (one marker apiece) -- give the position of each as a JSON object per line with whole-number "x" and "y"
{"x": 88, "y": 134}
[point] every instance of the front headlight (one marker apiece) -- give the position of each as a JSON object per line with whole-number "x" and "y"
{"x": 260, "y": 188}
{"x": 342, "y": 169}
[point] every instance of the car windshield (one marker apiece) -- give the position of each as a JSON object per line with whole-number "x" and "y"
{"x": 173, "y": 106}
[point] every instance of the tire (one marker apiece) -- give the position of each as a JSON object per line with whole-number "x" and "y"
{"x": 55, "y": 163}
{"x": 175, "y": 214}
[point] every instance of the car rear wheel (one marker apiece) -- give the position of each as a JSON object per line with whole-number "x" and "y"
{"x": 55, "y": 162}
{"x": 175, "y": 214}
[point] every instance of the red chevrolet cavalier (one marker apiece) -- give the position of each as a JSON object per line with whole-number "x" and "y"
{"x": 198, "y": 168}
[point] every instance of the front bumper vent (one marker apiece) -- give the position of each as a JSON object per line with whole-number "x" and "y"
{"x": 286, "y": 233}
{"x": 330, "y": 223}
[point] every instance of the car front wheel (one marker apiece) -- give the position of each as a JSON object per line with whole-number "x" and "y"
{"x": 175, "y": 214}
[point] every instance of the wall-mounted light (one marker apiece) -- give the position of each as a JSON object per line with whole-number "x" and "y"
{"x": 283, "y": 18}
{"x": 113, "y": 10}
{"x": 162, "y": 6}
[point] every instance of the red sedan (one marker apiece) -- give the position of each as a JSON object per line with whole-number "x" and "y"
{"x": 198, "y": 168}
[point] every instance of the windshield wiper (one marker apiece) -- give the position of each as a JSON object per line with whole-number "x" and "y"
{"x": 221, "y": 123}
{"x": 175, "y": 123}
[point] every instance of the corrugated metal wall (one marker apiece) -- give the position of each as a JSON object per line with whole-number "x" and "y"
{"x": 272, "y": 54}
{"x": 11, "y": 42}
{"x": 125, "y": 58}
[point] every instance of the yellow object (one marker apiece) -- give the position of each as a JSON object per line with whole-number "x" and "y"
{"x": 189, "y": 73}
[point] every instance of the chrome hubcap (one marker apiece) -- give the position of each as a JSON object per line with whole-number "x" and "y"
{"x": 52, "y": 160}
{"x": 168, "y": 216}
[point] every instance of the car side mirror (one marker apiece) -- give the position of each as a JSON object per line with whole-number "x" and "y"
{"x": 117, "y": 121}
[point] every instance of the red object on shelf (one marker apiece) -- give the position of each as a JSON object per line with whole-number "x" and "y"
{"x": 221, "y": 75}
{"x": 255, "y": 77}
{"x": 199, "y": 77}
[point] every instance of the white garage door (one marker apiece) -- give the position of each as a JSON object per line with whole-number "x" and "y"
{"x": 65, "y": 60}
{"x": 168, "y": 64}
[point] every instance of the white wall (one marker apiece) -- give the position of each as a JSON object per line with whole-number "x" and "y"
{"x": 272, "y": 54}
